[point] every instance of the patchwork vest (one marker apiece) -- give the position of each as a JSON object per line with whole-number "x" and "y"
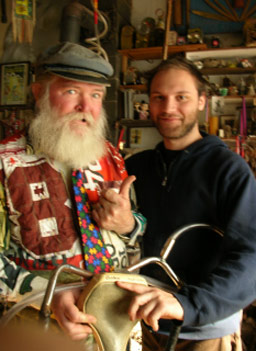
{"x": 41, "y": 213}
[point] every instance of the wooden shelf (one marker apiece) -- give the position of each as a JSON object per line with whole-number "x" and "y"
{"x": 222, "y": 53}
{"x": 16, "y": 107}
{"x": 227, "y": 70}
{"x": 135, "y": 123}
{"x": 127, "y": 124}
{"x": 156, "y": 52}
{"x": 139, "y": 87}
{"x": 238, "y": 99}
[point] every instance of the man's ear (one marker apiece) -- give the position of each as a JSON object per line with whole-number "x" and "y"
{"x": 202, "y": 102}
{"x": 37, "y": 90}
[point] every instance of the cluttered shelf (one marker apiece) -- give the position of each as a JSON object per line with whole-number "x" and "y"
{"x": 211, "y": 62}
{"x": 238, "y": 98}
{"x": 126, "y": 122}
{"x": 224, "y": 61}
{"x": 137, "y": 87}
{"x": 156, "y": 52}
{"x": 227, "y": 70}
{"x": 205, "y": 71}
{"x": 219, "y": 53}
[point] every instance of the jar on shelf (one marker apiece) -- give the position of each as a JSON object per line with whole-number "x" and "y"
{"x": 159, "y": 28}
{"x": 142, "y": 35}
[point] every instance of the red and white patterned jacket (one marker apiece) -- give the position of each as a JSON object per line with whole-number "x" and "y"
{"x": 43, "y": 233}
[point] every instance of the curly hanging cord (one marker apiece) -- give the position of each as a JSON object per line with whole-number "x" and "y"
{"x": 95, "y": 41}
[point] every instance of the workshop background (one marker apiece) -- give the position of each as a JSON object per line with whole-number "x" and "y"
{"x": 51, "y": 21}
{"x": 196, "y": 27}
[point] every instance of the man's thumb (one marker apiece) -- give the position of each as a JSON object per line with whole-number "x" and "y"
{"x": 125, "y": 187}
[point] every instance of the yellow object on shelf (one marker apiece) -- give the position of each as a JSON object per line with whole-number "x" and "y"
{"x": 213, "y": 125}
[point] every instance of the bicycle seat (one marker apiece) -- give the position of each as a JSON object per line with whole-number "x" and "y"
{"x": 109, "y": 304}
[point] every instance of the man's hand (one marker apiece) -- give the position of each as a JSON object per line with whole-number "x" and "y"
{"x": 70, "y": 319}
{"x": 113, "y": 211}
{"x": 152, "y": 304}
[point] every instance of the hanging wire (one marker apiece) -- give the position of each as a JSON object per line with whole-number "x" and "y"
{"x": 95, "y": 41}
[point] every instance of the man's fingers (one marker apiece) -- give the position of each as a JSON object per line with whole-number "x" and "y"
{"x": 77, "y": 327}
{"x": 80, "y": 336}
{"x": 143, "y": 297}
{"x": 148, "y": 312}
{"x": 73, "y": 321}
{"x": 85, "y": 318}
{"x": 111, "y": 196}
{"x": 125, "y": 186}
{"x": 77, "y": 331}
{"x": 73, "y": 315}
{"x": 137, "y": 288}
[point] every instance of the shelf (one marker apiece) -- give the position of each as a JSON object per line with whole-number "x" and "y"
{"x": 231, "y": 142}
{"x": 16, "y": 107}
{"x": 222, "y": 53}
{"x": 227, "y": 53}
{"x": 136, "y": 123}
{"x": 139, "y": 87}
{"x": 238, "y": 99}
{"x": 227, "y": 70}
{"x": 234, "y": 97}
{"x": 157, "y": 52}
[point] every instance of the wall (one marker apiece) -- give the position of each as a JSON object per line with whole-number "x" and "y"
{"x": 4, "y": 26}
{"x": 46, "y": 32}
{"x": 144, "y": 8}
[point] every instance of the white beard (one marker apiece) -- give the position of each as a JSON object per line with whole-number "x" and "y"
{"x": 52, "y": 136}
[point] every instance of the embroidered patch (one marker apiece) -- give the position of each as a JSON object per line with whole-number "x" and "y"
{"x": 39, "y": 191}
{"x": 68, "y": 203}
{"x": 48, "y": 227}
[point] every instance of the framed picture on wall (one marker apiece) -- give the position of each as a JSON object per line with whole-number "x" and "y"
{"x": 230, "y": 125}
{"x": 14, "y": 83}
{"x": 230, "y": 120}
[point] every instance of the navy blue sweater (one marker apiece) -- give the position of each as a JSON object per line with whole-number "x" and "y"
{"x": 205, "y": 183}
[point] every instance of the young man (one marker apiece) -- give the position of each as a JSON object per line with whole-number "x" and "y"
{"x": 39, "y": 204}
{"x": 192, "y": 177}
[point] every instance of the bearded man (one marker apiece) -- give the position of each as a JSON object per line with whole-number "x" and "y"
{"x": 42, "y": 220}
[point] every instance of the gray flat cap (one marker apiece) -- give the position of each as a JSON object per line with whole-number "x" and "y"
{"x": 76, "y": 62}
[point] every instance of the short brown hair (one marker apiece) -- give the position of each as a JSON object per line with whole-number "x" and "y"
{"x": 178, "y": 62}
